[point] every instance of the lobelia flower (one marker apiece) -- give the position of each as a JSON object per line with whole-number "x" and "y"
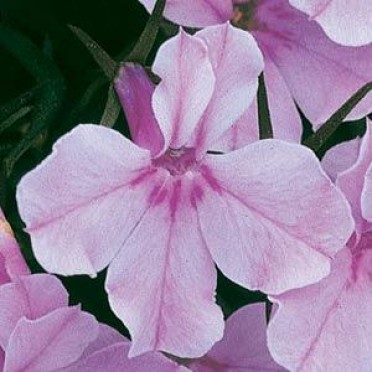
{"x": 12, "y": 263}
{"x": 243, "y": 347}
{"x": 302, "y": 65}
{"x": 345, "y": 22}
{"x": 328, "y": 326}
{"x": 40, "y": 333}
{"x": 160, "y": 211}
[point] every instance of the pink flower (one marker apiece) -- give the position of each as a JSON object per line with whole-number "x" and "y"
{"x": 243, "y": 347}
{"x": 345, "y": 22}
{"x": 40, "y": 333}
{"x": 161, "y": 211}
{"x": 328, "y": 326}
{"x": 302, "y": 65}
{"x": 12, "y": 263}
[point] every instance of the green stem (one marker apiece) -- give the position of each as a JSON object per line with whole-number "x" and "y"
{"x": 107, "y": 64}
{"x": 322, "y": 135}
{"x": 264, "y": 120}
{"x": 147, "y": 39}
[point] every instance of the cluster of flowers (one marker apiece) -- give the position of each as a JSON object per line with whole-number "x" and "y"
{"x": 196, "y": 188}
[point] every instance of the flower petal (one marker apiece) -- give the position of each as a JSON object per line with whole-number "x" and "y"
{"x": 114, "y": 358}
{"x": 320, "y": 74}
{"x": 352, "y": 180}
{"x": 61, "y": 338}
{"x": 82, "y": 202}
{"x": 347, "y": 22}
{"x": 278, "y": 213}
{"x": 186, "y": 88}
{"x": 367, "y": 196}
{"x": 341, "y": 157}
{"x": 236, "y": 80}
{"x": 30, "y": 296}
{"x": 135, "y": 91}
{"x": 243, "y": 132}
{"x": 166, "y": 257}
{"x": 12, "y": 263}
{"x": 195, "y": 13}
{"x": 326, "y": 326}
{"x": 243, "y": 346}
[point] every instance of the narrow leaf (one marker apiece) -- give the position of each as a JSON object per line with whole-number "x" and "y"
{"x": 264, "y": 120}
{"x": 107, "y": 64}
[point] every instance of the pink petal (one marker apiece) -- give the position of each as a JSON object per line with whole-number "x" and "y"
{"x": 327, "y": 326}
{"x": 114, "y": 358}
{"x": 166, "y": 257}
{"x": 278, "y": 213}
{"x": 341, "y": 157}
{"x": 367, "y": 196}
{"x": 12, "y": 263}
{"x": 241, "y": 133}
{"x": 187, "y": 85}
{"x": 109, "y": 352}
{"x": 82, "y": 202}
{"x": 284, "y": 116}
{"x": 61, "y": 338}
{"x": 243, "y": 347}
{"x": 351, "y": 181}
{"x": 30, "y": 296}
{"x": 320, "y": 74}
{"x": 195, "y": 13}
{"x": 135, "y": 91}
{"x": 347, "y": 22}
{"x": 236, "y": 80}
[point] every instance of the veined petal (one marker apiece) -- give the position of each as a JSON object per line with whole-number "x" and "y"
{"x": 347, "y": 22}
{"x": 30, "y": 296}
{"x": 187, "y": 85}
{"x": 351, "y": 182}
{"x": 135, "y": 91}
{"x": 51, "y": 342}
{"x": 195, "y": 13}
{"x": 341, "y": 157}
{"x": 166, "y": 256}
{"x": 320, "y": 74}
{"x": 367, "y": 196}
{"x": 109, "y": 352}
{"x": 285, "y": 119}
{"x": 243, "y": 132}
{"x": 243, "y": 347}
{"x": 282, "y": 226}
{"x": 82, "y": 202}
{"x": 326, "y": 326}
{"x": 236, "y": 80}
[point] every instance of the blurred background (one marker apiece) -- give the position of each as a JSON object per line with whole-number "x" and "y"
{"x": 49, "y": 83}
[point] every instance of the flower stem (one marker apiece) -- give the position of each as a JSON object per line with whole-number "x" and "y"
{"x": 322, "y": 135}
{"x": 146, "y": 41}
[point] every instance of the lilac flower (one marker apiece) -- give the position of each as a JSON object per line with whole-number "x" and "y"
{"x": 328, "y": 326}
{"x": 302, "y": 65}
{"x": 40, "y": 333}
{"x": 161, "y": 211}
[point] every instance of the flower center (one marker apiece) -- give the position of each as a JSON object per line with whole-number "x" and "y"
{"x": 244, "y": 15}
{"x": 177, "y": 161}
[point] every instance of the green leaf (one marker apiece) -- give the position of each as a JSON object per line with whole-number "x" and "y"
{"x": 321, "y": 136}
{"x": 107, "y": 64}
{"x": 112, "y": 109}
{"x": 147, "y": 39}
{"x": 12, "y": 119}
{"x": 264, "y": 120}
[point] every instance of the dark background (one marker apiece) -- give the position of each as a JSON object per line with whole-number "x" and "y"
{"x": 72, "y": 90}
